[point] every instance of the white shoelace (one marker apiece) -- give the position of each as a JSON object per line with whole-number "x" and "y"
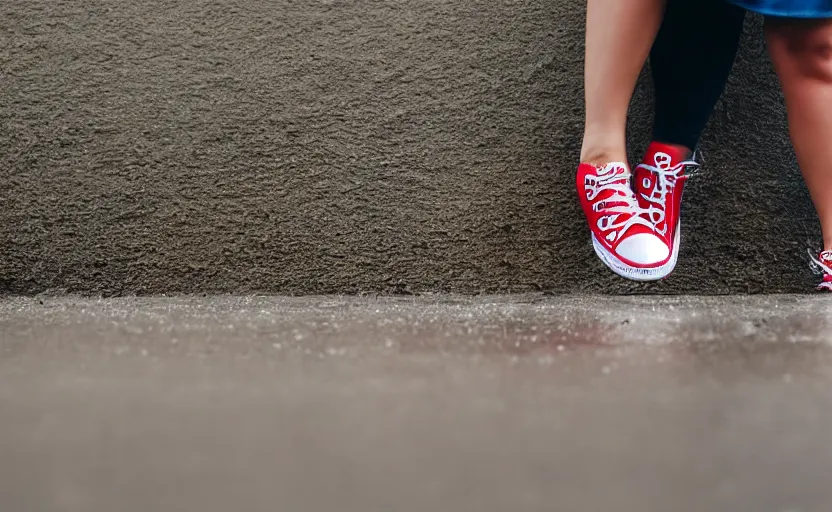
{"x": 824, "y": 267}
{"x": 614, "y": 177}
{"x": 666, "y": 176}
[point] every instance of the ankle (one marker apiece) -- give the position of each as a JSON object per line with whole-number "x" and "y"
{"x": 827, "y": 243}
{"x": 600, "y": 146}
{"x": 602, "y": 156}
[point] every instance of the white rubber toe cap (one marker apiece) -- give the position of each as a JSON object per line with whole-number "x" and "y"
{"x": 643, "y": 249}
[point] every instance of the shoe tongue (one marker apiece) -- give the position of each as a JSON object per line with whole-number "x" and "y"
{"x": 622, "y": 170}
{"x": 665, "y": 156}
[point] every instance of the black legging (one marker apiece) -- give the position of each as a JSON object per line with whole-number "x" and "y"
{"x": 691, "y": 60}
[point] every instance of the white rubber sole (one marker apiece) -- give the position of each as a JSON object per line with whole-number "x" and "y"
{"x": 634, "y": 273}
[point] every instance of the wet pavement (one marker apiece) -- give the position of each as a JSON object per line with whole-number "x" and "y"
{"x": 410, "y": 404}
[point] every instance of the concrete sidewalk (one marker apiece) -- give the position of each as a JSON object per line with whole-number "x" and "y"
{"x": 436, "y": 403}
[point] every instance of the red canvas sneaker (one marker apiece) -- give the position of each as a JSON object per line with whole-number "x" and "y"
{"x": 622, "y": 235}
{"x": 824, "y": 263}
{"x": 659, "y": 185}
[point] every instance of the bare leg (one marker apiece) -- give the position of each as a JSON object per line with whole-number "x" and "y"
{"x": 619, "y": 34}
{"x": 802, "y": 54}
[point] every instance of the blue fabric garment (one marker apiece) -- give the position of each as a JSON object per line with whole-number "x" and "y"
{"x": 789, "y": 8}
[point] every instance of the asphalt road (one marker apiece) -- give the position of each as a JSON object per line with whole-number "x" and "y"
{"x": 433, "y": 403}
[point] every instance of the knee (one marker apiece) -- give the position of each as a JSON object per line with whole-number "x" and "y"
{"x": 810, "y": 52}
{"x": 814, "y": 56}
